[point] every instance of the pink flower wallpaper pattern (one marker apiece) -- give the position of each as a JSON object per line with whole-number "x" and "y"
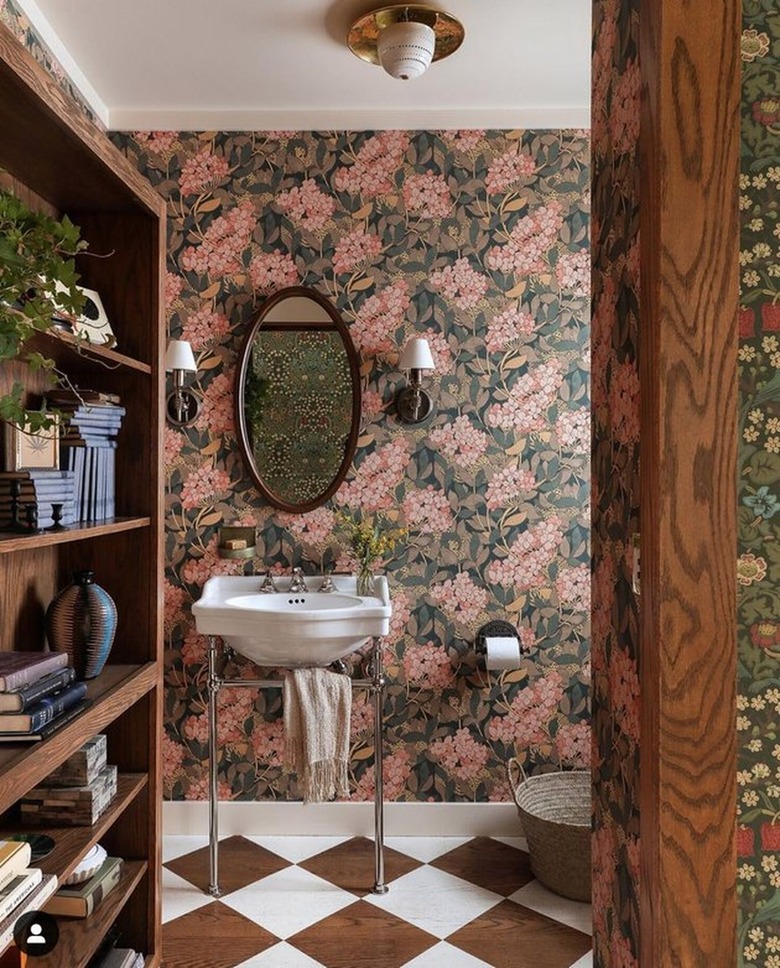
{"x": 615, "y": 503}
{"x": 477, "y": 240}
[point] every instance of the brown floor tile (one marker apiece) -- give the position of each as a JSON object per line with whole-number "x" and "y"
{"x": 240, "y": 863}
{"x": 488, "y": 863}
{"x": 511, "y": 936}
{"x": 214, "y": 936}
{"x": 362, "y": 936}
{"x": 351, "y": 865}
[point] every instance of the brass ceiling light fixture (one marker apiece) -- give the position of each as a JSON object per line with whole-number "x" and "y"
{"x": 404, "y": 39}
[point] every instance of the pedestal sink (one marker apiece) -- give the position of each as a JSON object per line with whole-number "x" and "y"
{"x": 287, "y": 629}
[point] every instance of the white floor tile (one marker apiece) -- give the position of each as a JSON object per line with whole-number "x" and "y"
{"x": 288, "y": 901}
{"x": 280, "y": 956}
{"x": 586, "y": 961}
{"x": 425, "y": 849}
{"x": 443, "y": 955}
{"x": 179, "y": 896}
{"x": 296, "y": 849}
{"x": 435, "y": 901}
{"x": 173, "y": 847}
{"x": 538, "y": 898}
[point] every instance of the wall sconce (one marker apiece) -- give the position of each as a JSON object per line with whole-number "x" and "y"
{"x": 405, "y": 38}
{"x": 412, "y": 403}
{"x": 182, "y": 405}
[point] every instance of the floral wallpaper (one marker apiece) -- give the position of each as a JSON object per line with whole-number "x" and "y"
{"x": 16, "y": 21}
{"x": 615, "y": 503}
{"x": 758, "y": 566}
{"x": 477, "y": 240}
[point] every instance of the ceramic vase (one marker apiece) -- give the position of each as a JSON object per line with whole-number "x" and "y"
{"x": 81, "y": 620}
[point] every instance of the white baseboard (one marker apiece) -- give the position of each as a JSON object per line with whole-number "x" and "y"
{"x": 343, "y": 819}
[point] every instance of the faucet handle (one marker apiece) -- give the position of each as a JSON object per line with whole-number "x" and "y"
{"x": 268, "y": 584}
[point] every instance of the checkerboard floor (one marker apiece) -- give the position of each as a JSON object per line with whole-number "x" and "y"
{"x": 305, "y": 902}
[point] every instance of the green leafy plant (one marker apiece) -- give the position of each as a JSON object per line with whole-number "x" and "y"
{"x": 37, "y": 279}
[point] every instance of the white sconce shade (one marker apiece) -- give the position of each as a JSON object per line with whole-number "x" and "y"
{"x": 406, "y": 49}
{"x": 179, "y": 356}
{"x": 416, "y": 355}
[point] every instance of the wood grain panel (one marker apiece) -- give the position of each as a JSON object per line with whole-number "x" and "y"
{"x": 689, "y": 240}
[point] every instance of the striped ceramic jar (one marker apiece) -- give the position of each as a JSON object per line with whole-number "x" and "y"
{"x": 81, "y": 620}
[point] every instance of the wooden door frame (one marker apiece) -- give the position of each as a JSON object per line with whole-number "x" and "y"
{"x": 689, "y": 242}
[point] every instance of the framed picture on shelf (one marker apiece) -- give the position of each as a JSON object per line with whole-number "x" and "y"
{"x": 26, "y": 451}
{"x": 92, "y": 325}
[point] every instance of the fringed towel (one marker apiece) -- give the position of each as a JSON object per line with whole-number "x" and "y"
{"x": 317, "y": 708}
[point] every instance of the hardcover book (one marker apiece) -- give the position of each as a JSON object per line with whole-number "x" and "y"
{"x": 34, "y": 901}
{"x": 21, "y": 668}
{"x": 17, "y": 889}
{"x": 44, "y": 711}
{"x": 21, "y": 699}
{"x": 49, "y": 728}
{"x": 15, "y": 857}
{"x": 81, "y": 900}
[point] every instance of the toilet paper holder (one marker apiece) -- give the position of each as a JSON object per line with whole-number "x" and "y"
{"x": 497, "y": 628}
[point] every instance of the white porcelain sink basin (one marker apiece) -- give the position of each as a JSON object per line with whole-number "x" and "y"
{"x": 285, "y": 628}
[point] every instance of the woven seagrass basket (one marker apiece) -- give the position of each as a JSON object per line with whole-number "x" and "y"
{"x": 555, "y": 812}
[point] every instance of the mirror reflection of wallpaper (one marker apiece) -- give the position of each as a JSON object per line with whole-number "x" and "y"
{"x": 298, "y": 405}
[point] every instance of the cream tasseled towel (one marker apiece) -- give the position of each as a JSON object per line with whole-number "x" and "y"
{"x": 317, "y": 708}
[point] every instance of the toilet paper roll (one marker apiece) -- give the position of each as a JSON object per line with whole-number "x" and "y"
{"x": 502, "y": 651}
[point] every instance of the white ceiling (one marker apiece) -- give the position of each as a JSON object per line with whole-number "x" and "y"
{"x": 283, "y": 64}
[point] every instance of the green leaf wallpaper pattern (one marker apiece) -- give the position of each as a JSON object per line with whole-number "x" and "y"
{"x": 479, "y": 241}
{"x": 758, "y": 494}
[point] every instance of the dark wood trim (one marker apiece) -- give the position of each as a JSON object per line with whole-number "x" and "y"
{"x": 243, "y": 363}
{"x": 689, "y": 58}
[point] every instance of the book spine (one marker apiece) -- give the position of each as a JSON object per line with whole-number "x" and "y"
{"x": 54, "y": 706}
{"x": 23, "y": 677}
{"x": 28, "y": 695}
{"x": 27, "y": 882}
{"x": 33, "y": 902}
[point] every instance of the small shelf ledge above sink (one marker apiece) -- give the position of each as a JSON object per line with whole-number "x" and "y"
{"x": 286, "y": 628}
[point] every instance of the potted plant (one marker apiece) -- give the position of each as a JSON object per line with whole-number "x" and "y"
{"x": 37, "y": 280}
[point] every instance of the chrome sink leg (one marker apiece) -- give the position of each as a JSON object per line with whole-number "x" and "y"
{"x": 213, "y": 688}
{"x": 378, "y": 687}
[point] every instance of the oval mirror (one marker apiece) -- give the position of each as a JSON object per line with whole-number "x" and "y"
{"x": 298, "y": 400}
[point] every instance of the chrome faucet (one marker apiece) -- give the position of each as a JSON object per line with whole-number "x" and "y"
{"x": 268, "y": 585}
{"x": 298, "y": 582}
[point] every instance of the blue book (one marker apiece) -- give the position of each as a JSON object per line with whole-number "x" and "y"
{"x": 43, "y": 712}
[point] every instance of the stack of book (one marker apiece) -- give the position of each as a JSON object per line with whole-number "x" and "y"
{"x": 42, "y": 487}
{"x": 77, "y": 793}
{"x": 88, "y": 448}
{"x": 38, "y": 694}
{"x": 22, "y": 888}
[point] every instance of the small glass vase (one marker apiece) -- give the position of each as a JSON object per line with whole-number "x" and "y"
{"x": 365, "y": 579}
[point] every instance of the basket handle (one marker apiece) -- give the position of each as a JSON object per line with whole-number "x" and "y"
{"x": 513, "y": 768}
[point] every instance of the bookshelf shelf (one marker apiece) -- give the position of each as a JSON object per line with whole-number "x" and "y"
{"x": 72, "y": 843}
{"x": 24, "y": 765}
{"x": 10, "y": 543}
{"x": 58, "y": 162}
{"x": 80, "y": 938}
{"x": 64, "y": 349}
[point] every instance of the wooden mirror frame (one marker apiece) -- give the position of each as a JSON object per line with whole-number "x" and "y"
{"x": 240, "y": 385}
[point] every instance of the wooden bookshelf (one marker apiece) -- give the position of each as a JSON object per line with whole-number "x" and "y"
{"x": 10, "y": 543}
{"x": 81, "y": 937}
{"x": 58, "y": 162}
